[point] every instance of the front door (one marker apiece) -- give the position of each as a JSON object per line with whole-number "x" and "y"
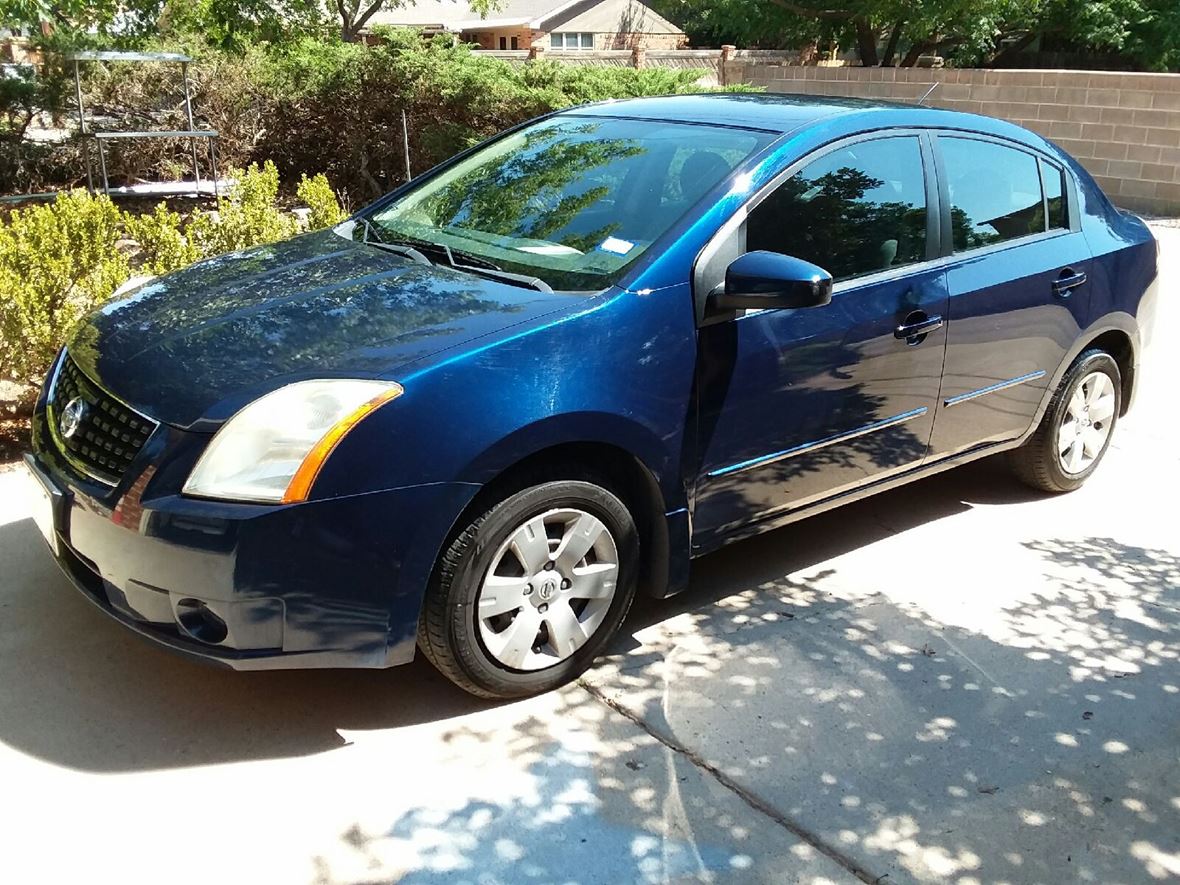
{"x": 795, "y": 406}
{"x": 1018, "y": 294}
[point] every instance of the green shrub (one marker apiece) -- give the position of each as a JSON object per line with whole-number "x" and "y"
{"x": 163, "y": 245}
{"x": 60, "y": 260}
{"x": 318, "y": 196}
{"x": 247, "y": 216}
{"x": 337, "y": 108}
{"x": 57, "y": 263}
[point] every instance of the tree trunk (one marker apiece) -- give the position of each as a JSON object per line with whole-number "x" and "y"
{"x": 866, "y": 42}
{"x": 353, "y": 20}
{"x": 920, "y": 48}
{"x": 1017, "y": 47}
{"x": 891, "y": 46}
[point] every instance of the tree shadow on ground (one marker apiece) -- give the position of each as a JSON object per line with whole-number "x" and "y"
{"x": 1034, "y": 741}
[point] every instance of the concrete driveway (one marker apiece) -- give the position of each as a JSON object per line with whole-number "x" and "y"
{"x": 957, "y": 681}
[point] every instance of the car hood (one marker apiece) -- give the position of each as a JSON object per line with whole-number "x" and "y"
{"x": 192, "y": 347}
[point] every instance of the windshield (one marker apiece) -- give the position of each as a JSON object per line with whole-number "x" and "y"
{"x": 571, "y": 201}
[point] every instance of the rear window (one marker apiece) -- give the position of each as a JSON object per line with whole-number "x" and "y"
{"x": 995, "y": 192}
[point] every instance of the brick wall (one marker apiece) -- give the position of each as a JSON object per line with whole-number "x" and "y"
{"x": 1124, "y": 128}
{"x": 490, "y": 39}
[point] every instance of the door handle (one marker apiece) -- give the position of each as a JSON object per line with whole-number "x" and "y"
{"x": 1067, "y": 282}
{"x": 916, "y": 327}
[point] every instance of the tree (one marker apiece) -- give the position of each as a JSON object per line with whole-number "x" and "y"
{"x": 976, "y": 32}
{"x": 752, "y": 24}
{"x": 1155, "y": 38}
{"x": 880, "y": 29}
{"x": 227, "y": 23}
{"x": 355, "y": 14}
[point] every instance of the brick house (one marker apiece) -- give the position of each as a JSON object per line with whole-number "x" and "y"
{"x": 543, "y": 24}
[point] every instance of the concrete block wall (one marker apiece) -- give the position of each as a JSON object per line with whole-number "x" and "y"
{"x": 1124, "y": 128}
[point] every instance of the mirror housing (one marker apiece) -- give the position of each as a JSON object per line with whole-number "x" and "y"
{"x": 771, "y": 281}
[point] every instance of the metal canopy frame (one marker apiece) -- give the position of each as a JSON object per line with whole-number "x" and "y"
{"x": 192, "y": 133}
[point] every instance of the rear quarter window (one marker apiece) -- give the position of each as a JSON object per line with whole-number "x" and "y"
{"x": 1054, "y": 180}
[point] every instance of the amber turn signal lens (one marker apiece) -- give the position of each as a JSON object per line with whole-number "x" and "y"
{"x": 300, "y": 486}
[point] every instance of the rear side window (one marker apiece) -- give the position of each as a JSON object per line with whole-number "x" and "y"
{"x": 1054, "y": 180}
{"x": 995, "y": 192}
{"x": 858, "y": 210}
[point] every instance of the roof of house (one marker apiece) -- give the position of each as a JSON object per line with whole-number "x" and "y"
{"x": 610, "y": 16}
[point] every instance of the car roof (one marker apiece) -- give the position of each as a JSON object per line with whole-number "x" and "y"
{"x": 782, "y": 113}
{"x": 773, "y": 113}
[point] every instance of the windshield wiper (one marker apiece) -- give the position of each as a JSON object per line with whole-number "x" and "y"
{"x": 481, "y": 266}
{"x": 507, "y": 276}
{"x": 404, "y": 248}
{"x": 415, "y": 249}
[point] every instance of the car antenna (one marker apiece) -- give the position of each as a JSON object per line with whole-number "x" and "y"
{"x": 926, "y": 94}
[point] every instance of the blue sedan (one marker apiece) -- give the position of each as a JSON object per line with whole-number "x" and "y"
{"x": 480, "y": 416}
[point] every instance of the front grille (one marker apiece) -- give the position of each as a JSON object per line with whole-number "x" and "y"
{"x": 109, "y": 434}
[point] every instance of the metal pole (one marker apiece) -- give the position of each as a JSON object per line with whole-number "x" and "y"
{"x": 406, "y": 142}
{"x": 102, "y": 160}
{"x": 82, "y": 126}
{"x": 188, "y": 108}
{"x": 213, "y": 163}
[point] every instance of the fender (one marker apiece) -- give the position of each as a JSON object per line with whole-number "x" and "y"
{"x": 582, "y": 428}
{"x": 1111, "y": 322}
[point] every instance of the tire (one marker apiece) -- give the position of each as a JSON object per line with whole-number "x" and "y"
{"x": 484, "y": 655}
{"x": 1043, "y": 462}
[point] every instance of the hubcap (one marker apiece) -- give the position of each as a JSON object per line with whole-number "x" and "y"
{"x": 1089, "y": 416}
{"x": 548, "y": 589}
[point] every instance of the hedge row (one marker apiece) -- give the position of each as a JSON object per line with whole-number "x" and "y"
{"x": 313, "y": 106}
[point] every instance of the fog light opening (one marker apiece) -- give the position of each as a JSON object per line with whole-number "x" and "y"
{"x": 200, "y": 622}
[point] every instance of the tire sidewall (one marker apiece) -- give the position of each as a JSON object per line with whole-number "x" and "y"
{"x": 1090, "y": 363}
{"x": 467, "y": 579}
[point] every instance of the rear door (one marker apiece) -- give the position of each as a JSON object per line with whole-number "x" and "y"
{"x": 1017, "y": 281}
{"x": 799, "y": 405}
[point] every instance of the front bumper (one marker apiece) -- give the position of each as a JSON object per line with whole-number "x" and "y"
{"x": 329, "y": 583}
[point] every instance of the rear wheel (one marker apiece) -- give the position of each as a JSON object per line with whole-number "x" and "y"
{"x": 531, "y": 590}
{"x": 1077, "y": 427}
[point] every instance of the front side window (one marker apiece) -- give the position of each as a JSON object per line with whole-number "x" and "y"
{"x": 995, "y": 192}
{"x": 571, "y": 200}
{"x": 858, "y": 210}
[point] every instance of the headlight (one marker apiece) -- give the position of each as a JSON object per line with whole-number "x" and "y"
{"x": 271, "y": 450}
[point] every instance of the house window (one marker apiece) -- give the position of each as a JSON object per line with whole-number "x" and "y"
{"x": 503, "y": 42}
{"x": 571, "y": 40}
{"x": 515, "y": 43}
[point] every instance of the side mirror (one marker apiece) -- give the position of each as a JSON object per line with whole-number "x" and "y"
{"x": 770, "y": 281}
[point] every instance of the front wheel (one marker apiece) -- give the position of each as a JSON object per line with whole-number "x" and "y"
{"x": 1077, "y": 427}
{"x": 531, "y": 591}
